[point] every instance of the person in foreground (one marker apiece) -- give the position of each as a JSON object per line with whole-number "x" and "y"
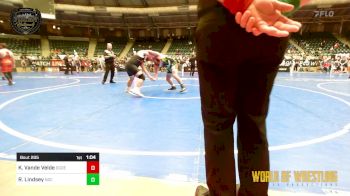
{"x": 233, "y": 36}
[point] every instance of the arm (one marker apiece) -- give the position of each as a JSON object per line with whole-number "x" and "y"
{"x": 10, "y": 53}
{"x": 13, "y": 59}
{"x": 154, "y": 53}
{"x": 108, "y": 54}
{"x": 156, "y": 69}
{"x": 144, "y": 69}
{"x": 156, "y": 58}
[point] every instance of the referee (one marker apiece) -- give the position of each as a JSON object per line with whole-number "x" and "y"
{"x": 109, "y": 63}
{"x": 192, "y": 61}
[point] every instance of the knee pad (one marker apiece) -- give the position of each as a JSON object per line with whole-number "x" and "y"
{"x": 142, "y": 77}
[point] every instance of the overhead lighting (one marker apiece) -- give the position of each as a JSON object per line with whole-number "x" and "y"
{"x": 1, "y": 21}
{"x": 48, "y": 16}
{"x": 58, "y": 28}
{"x": 54, "y": 26}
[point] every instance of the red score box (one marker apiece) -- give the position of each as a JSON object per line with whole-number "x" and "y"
{"x": 93, "y": 167}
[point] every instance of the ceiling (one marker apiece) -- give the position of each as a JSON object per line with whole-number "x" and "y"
{"x": 180, "y": 19}
{"x": 129, "y": 3}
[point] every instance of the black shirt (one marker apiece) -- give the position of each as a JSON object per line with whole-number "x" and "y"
{"x": 192, "y": 61}
{"x": 109, "y": 56}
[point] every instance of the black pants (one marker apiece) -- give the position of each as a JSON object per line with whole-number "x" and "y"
{"x": 109, "y": 68}
{"x": 192, "y": 68}
{"x": 296, "y": 67}
{"x": 236, "y": 74}
{"x": 68, "y": 67}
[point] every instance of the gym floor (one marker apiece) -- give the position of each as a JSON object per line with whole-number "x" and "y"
{"x": 160, "y": 137}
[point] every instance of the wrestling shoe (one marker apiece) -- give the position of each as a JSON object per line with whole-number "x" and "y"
{"x": 172, "y": 88}
{"x": 183, "y": 88}
{"x": 136, "y": 92}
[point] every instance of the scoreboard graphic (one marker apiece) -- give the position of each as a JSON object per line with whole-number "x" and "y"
{"x": 58, "y": 169}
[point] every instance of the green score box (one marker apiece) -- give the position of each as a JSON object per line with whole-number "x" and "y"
{"x": 93, "y": 179}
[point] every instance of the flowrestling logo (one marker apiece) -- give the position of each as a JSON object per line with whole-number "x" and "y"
{"x": 25, "y": 20}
